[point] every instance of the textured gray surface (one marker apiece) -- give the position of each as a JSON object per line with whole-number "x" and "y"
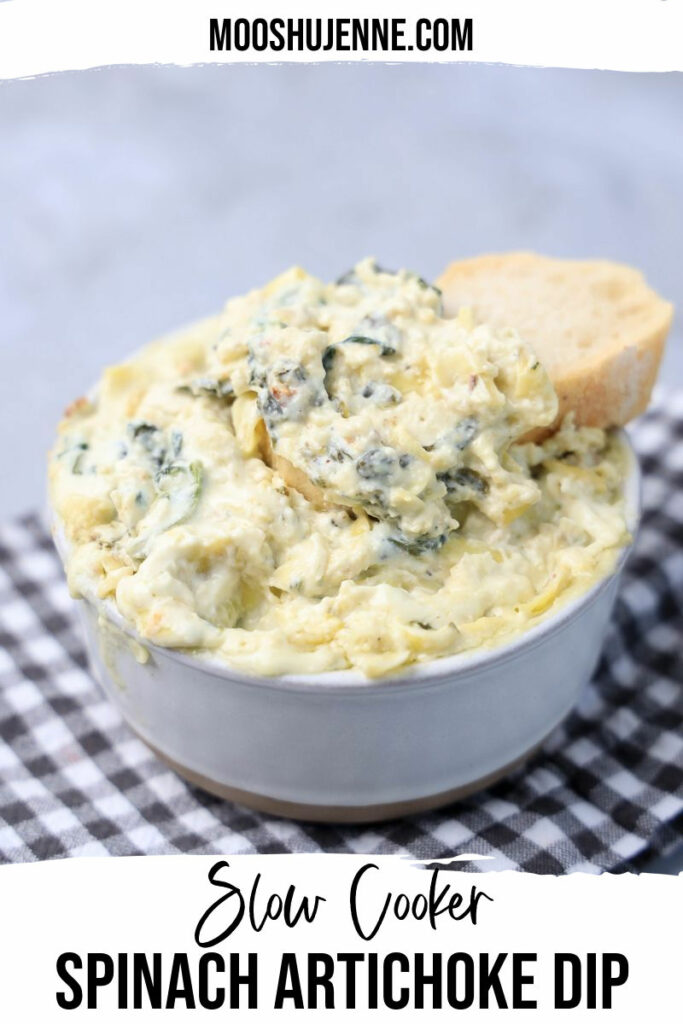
{"x": 133, "y": 200}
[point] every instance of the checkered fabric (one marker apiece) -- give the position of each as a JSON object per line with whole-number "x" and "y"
{"x": 605, "y": 793}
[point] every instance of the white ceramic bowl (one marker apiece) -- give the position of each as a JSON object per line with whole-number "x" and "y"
{"x": 339, "y": 747}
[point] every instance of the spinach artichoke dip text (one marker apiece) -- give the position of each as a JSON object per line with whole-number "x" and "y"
{"x": 333, "y": 476}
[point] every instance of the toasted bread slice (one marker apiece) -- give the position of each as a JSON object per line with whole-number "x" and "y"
{"x": 596, "y": 326}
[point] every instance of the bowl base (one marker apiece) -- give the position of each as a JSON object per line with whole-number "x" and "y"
{"x": 340, "y": 814}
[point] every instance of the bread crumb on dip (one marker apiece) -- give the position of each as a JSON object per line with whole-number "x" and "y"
{"x": 333, "y": 476}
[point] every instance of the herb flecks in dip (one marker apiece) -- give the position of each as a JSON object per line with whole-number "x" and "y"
{"x": 331, "y": 476}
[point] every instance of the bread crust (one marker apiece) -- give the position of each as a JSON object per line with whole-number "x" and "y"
{"x": 604, "y": 361}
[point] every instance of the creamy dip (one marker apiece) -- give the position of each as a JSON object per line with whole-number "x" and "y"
{"x": 330, "y": 476}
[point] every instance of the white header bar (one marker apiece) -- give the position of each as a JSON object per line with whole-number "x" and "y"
{"x": 42, "y": 36}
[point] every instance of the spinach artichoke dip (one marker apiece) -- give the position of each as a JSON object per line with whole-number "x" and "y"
{"x": 333, "y": 476}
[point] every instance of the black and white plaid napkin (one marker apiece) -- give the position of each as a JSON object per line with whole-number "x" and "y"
{"x": 606, "y": 792}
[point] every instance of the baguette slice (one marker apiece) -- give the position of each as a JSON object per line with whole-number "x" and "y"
{"x": 596, "y": 326}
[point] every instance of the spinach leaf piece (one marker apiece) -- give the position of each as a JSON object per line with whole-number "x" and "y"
{"x": 361, "y": 339}
{"x": 464, "y": 483}
{"x": 181, "y": 484}
{"x": 208, "y": 386}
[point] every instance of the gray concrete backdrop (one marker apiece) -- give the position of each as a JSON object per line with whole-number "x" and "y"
{"x": 132, "y": 200}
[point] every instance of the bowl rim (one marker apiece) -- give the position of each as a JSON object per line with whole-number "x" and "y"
{"x": 451, "y": 668}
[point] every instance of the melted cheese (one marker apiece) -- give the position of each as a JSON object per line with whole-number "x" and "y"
{"x": 331, "y": 476}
